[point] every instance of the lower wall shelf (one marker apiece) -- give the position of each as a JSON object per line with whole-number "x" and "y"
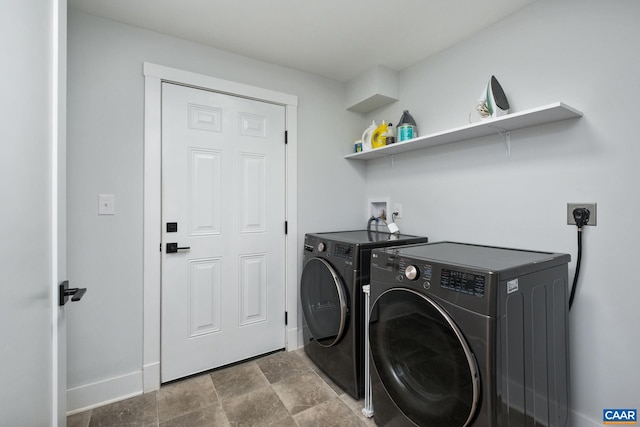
{"x": 532, "y": 117}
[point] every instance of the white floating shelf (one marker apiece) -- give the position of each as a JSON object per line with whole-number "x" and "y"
{"x": 532, "y": 117}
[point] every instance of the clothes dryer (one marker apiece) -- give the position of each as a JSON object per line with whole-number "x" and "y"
{"x": 336, "y": 265}
{"x": 468, "y": 335}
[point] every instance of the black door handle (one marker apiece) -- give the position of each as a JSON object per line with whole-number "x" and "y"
{"x": 173, "y": 248}
{"x": 76, "y": 294}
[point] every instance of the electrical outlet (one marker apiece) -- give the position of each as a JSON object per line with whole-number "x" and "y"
{"x": 593, "y": 213}
{"x": 397, "y": 207}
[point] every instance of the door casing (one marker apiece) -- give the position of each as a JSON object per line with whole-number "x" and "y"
{"x": 154, "y": 76}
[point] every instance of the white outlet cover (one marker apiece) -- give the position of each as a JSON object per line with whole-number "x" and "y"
{"x": 106, "y": 204}
{"x": 397, "y": 207}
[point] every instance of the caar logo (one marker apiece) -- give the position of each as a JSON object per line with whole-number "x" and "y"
{"x": 620, "y": 416}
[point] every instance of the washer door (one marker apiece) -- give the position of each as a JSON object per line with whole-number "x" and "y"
{"x": 324, "y": 302}
{"x": 422, "y": 359}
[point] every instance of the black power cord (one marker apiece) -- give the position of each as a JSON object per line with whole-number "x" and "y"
{"x": 581, "y": 216}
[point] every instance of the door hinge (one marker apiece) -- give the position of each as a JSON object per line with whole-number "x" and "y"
{"x": 286, "y": 137}
{"x": 160, "y": 247}
{"x": 286, "y": 227}
{"x": 286, "y": 318}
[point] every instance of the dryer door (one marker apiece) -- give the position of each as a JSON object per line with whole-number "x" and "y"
{"x": 324, "y": 302}
{"x": 423, "y": 360}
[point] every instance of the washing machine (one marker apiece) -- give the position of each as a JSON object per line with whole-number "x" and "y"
{"x": 335, "y": 266}
{"x": 469, "y": 335}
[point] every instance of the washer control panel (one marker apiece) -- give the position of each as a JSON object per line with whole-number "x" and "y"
{"x": 463, "y": 282}
{"x": 414, "y": 272}
{"x": 342, "y": 251}
{"x": 440, "y": 274}
{"x": 423, "y": 274}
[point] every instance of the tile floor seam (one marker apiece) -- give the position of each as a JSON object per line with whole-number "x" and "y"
{"x": 157, "y": 409}
{"x": 323, "y": 380}
{"x": 215, "y": 390}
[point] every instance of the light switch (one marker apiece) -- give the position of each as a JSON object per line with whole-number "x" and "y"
{"x": 106, "y": 204}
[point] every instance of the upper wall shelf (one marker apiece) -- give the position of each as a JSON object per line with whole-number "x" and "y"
{"x": 532, "y": 117}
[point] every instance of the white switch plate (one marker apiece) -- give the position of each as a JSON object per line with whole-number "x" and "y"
{"x": 106, "y": 204}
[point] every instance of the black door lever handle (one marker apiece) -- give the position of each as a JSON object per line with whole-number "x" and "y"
{"x": 173, "y": 248}
{"x": 76, "y": 294}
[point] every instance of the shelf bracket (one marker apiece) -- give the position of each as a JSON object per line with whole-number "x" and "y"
{"x": 507, "y": 142}
{"x": 506, "y": 137}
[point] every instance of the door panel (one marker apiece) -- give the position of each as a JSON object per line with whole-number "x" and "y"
{"x": 253, "y": 193}
{"x": 223, "y": 184}
{"x": 204, "y": 297}
{"x": 253, "y": 281}
{"x": 205, "y": 195}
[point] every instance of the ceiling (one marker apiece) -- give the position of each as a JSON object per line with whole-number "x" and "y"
{"x": 338, "y": 39}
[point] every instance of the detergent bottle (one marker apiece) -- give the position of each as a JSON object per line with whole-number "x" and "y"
{"x": 407, "y": 128}
{"x": 378, "y": 139}
{"x": 366, "y": 136}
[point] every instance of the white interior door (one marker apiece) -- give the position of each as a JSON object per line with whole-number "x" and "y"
{"x": 31, "y": 231}
{"x": 223, "y": 198}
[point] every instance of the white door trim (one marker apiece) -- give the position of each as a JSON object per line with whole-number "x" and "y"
{"x": 154, "y": 76}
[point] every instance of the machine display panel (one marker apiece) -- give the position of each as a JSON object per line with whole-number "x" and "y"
{"x": 463, "y": 282}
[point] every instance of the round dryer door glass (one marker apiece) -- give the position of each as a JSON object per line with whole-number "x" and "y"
{"x": 423, "y": 360}
{"x": 324, "y": 302}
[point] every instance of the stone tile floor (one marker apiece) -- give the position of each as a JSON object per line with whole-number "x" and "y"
{"x": 282, "y": 389}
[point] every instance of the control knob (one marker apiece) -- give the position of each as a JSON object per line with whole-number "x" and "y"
{"x": 412, "y": 272}
{"x": 321, "y": 247}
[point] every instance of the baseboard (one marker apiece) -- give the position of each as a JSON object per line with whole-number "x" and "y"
{"x": 293, "y": 339}
{"x": 151, "y": 377}
{"x": 100, "y": 393}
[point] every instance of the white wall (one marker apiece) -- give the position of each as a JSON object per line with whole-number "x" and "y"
{"x": 105, "y": 155}
{"x": 583, "y": 53}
